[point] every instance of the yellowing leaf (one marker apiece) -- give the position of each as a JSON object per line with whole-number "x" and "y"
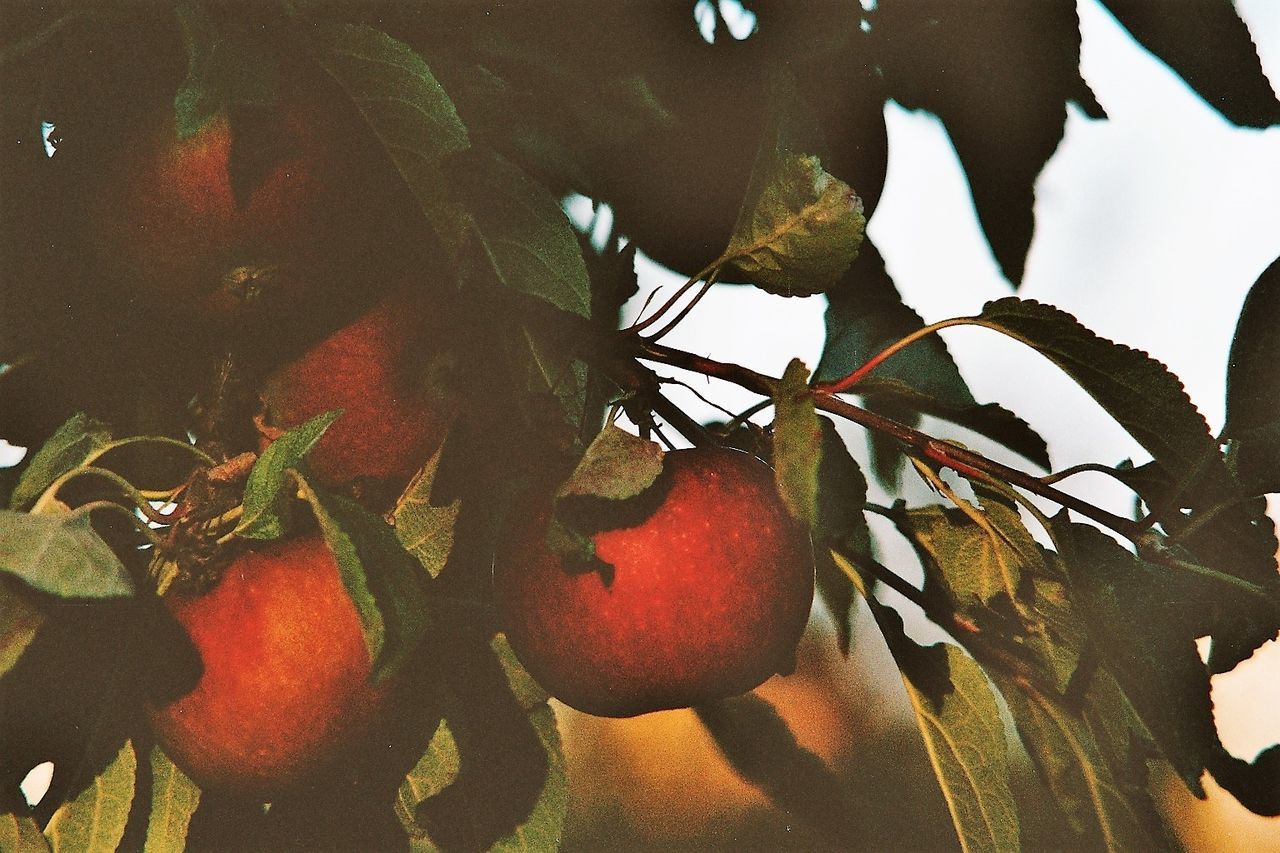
{"x": 174, "y": 798}
{"x": 797, "y": 444}
{"x": 94, "y": 821}
{"x": 425, "y": 529}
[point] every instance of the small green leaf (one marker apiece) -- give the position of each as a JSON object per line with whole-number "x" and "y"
{"x": 19, "y": 833}
{"x": 76, "y": 441}
{"x": 385, "y": 582}
{"x": 423, "y": 528}
{"x": 799, "y": 227}
{"x": 617, "y": 466}
{"x": 19, "y": 621}
{"x": 436, "y": 770}
{"x": 174, "y": 798}
{"x": 520, "y": 230}
{"x": 62, "y": 555}
{"x": 265, "y": 492}
{"x": 797, "y": 443}
{"x": 94, "y": 821}
{"x": 395, "y": 91}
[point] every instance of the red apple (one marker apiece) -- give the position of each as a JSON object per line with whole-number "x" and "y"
{"x": 374, "y": 370}
{"x": 708, "y": 596}
{"x": 286, "y": 688}
{"x": 319, "y": 209}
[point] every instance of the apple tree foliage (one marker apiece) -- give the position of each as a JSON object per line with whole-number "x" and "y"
{"x": 752, "y": 162}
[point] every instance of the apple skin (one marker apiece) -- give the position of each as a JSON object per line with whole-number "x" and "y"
{"x": 709, "y": 595}
{"x": 323, "y": 211}
{"x": 375, "y": 371}
{"x": 285, "y": 691}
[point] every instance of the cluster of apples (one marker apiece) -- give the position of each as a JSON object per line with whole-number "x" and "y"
{"x": 704, "y": 599}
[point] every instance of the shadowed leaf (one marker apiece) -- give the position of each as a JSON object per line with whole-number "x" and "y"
{"x": 62, "y": 555}
{"x": 174, "y": 799}
{"x": 797, "y": 444}
{"x": 265, "y": 493}
{"x": 426, "y": 529}
{"x": 72, "y": 445}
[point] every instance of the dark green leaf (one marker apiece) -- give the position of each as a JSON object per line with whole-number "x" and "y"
{"x": 842, "y": 497}
{"x": 1105, "y": 798}
{"x": 1134, "y": 617}
{"x": 1210, "y": 47}
{"x": 554, "y": 371}
{"x": 761, "y": 748}
{"x": 426, "y": 529}
{"x": 61, "y": 554}
{"x": 617, "y": 466}
{"x": 400, "y": 98}
{"x": 174, "y": 799}
{"x": 1136, "y": 390}
{"x": 797, "y": 444}
{"x": 960, "y": 721}
{"x": 999, "y": 75}
{"x": 385, "y": 582}
{"x": 520, "y": 229}
{"x": 75, "y": 442}
{"x": 266, "y": 492}
{"x": 799, "y": 228}
{"x": 19, "y": 621}
{"x": 95, "y": 820}
{"x": 1253, "y": 387}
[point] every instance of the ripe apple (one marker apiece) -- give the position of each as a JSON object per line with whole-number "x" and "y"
{"x": 285, "y": 691}
{"x": 708, "y": 596}
{"x": 375, "y": 370}
{"x": 317, "y": 216}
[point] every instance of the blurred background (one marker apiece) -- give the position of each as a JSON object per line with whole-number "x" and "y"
{"x": 1150, "y": 228}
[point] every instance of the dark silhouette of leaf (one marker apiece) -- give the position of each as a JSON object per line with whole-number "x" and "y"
{"x": 1253, "y": 386}
{"x": 1206, "y": 43}
{"x": 1252, "y": 783}
{"x": 763, "y": 751}
{"x": 1135, "y": 619}
{"x": 999, "y": 75}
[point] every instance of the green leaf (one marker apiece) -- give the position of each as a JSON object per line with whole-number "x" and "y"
{"x": 520, "y": 230}
{"x": 799, "y": 228}
{"x": 423, "y": 528}
{"x": 75, "y": 442}
{"x": 94, "y": 821}
{"x": 963, "y": 733}
{"x": 491, "y": 703}
{"x": 1127, "y": 606}
{"x": 797, "y": 444}
{"x": 61, "y": 555}
{"x": 400, "y": 98}
{"x": 842, "y": 498}
{"x": 991, "y": 420}
{"x": 385, "y": 582}
{"x": 1103, "y": 794}
{"x": 977, "y": 553}
{"x": 552, "y": 369}
{"x": 616, "y": 466}
{"x": 265, "y": 493}
{"x": 21, "y": 834}
{"x": 544, "y": 827}
{"x": 19, "y": 621}
{"x": 174, "y": 799}
{"x": 1136, "y": 390}
{"x": 436, "y": 770}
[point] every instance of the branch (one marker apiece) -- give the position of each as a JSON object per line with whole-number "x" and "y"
{"x": 942, "y": 452}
